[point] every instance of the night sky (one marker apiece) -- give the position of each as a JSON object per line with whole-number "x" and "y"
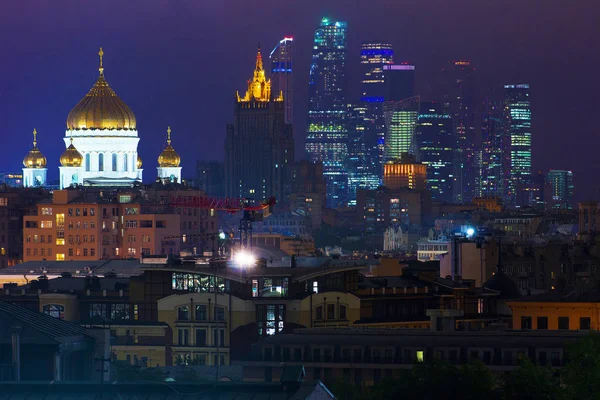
{"x": 179, "y": 63}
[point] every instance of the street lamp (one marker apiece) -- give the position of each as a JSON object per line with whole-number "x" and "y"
{"x": 244, "y": 258}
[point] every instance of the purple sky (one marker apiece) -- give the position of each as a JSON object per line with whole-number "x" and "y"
{"x": 179, "y": 63}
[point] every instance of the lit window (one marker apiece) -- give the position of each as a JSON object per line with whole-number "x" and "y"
{"x": 420, "y": 356}
{"x": 54, "y": 310}
{"x": 59, "y": 257}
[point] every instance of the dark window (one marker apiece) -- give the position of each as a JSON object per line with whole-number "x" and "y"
{"x": 358, "y": 377}
{"x": 330, "y": 311}
{"x": 327, "y": 355}
{"x": 357, "y": 355}
{"x": 542, "y": 322}
{"x": 287, "y": 354}
{"x": 453, "y": 356}
{"x": 297, "y": 354}
{"x": 346, "y": 355}
{"x": 319, "y": 312}
{"x": 201, "y": 312}
{"x": 270, "y": 319}
{"x": 525, "y": 322}
{"x": 119, "y": 311}
{"x": 316, "y": 355}
{"x": 100, "y": 162}
{"x": 376, "y": 376}
{"x": 316, "y": 373}
{"x": 268, "y": 374}
{"x": 376, "y": 355}
{"x": 200, "y": 337}
{"x": 585, "y": 323}
{"x": 220, "y": 313}
{"x": 542, "y": 358}
{"x": 183, "y": 313}
{"x": 563, "y": 323}
{"x": 343, "y": 312}
{"x": 183, "y": 337}
{"x": 268, "y": 354}
{"x": 487, "y": 357}
{"x": 555, "y": 358}
{"x": 508, "y": 357}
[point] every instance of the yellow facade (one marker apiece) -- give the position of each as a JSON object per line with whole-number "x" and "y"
{"x": 404, "y": 175}
{"x": 138, "y": 344}
{"x": 194, "y": 313}
{"x": 555, "y": 315}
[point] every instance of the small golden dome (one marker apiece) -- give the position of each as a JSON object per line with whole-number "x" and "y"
{"x": 139, "y": 162}
{"x": 35, "y": 158}
{"x": 101, "y": 108}
{"x": 71, "y": 157}
{"x": 169, "y": 157}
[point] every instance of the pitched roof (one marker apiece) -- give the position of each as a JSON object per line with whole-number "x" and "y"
{"x": 55, "y": 328}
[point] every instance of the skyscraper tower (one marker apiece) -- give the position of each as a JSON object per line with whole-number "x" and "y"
{"x": 495, "y": 150}
{"x": 401, "y": 119}
{"x": 560, "y": 190}
{"x": 459, "y": 101}
{"x": 517, "y": 109}
{"x": 374, "y": 57}
{"x": 326, "y": 139}
{"x": 281, "y": 74}
{"x": 436, "y": 147}
{"x": 259, "y": 145}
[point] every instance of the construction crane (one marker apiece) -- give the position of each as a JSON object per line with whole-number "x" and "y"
{"x": 252, "y": 212}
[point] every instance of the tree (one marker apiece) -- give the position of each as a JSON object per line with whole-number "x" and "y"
{"x": 532, "y": 382}
{"x": 581, "y": 375}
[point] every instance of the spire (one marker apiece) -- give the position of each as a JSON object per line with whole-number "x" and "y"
{"x": 168, "y": 136}
{"x": 259, "y": 63}
{"x": 34, "y": 137}
{"x": 101, "y": 69}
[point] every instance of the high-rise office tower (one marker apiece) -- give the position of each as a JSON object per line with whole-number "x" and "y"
{"x": 559, "y": 190}
{"x": 401, "y": 121}
{"x": 326, "y": 139}
{"x": 281, "y": 74}
{"x": 517, "y": 109}
{"x": 375, "y": 89}
{"x": 436, "y": 147}
{"x": 460, "y": 103}
{"x": 259, "y": 145}
{"x": 400, "y": 81}
{"x": 495, "y": 150}
{"x": 361, "y": 167}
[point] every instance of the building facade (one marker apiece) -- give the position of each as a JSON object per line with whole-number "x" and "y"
{"x": 281, "y": 75}
{"x": 326, "y": 139}
{"x": 436, "y": 149}
{"x": 559, "y": 189}
{"x": 517, "y": 108}
{"x": 460, "y": 103}
{"x": 401, "y": 118}
{"x": 259, "y": 145}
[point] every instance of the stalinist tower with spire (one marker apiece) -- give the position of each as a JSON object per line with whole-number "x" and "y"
{"x": 259, "y": 145}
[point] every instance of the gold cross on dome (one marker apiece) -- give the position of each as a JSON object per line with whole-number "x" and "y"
{"x": 34, "y": 137}
{"x": 101, "y": 54}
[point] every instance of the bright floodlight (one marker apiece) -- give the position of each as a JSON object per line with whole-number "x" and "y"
{"x": 244, "y": 258}
{"x": 222, "y": 235}
{"x": 470, "y": 232}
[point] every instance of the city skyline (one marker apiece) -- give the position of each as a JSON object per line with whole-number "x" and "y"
{"x": 59, "y": 72}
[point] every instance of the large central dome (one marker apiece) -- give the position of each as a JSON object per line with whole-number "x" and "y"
{"x": 101, "y": 108}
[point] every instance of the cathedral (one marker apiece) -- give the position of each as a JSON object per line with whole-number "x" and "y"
{"x": 101, "y": 141}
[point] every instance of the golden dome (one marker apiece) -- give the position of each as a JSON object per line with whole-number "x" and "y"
{"x": 169, "y": 157}
{"x": 139, "y": 162}
{"x": 71, "y": 157}
{"x": 101, "y": 108}
{"x": 35, "y": 158}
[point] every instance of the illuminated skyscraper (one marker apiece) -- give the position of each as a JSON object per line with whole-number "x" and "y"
{"x": 559, "y": 190}
{"x": 459, "y": 102}
{"x": 518, "y": 119}
{"x": 259, "y": 145}
{"x": 374, "y": 57}
{"x": 281, "y": 74}
{"x": 495, "y": 152}
{"x": 436, "y": 147}
{"x": 327, "y": 136}
{"x": 401, "y": 122}
{"x": 361, "y": 167}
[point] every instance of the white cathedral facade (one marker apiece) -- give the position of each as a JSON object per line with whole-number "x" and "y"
{"x": 101, "y": 143}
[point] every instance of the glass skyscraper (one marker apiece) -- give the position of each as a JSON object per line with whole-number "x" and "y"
{"x": 495, "y": 151}
{"x": 327, "y": 136}
{"x": 281, "y": 74}
{"x": 517, "y": 108}
{"x": 401, "y": 122}
{"x": 436, "y": 147}
{"x": 559, "y": 190}
{"x": 459, "y": 101}
{"x": 375, "y": 89}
